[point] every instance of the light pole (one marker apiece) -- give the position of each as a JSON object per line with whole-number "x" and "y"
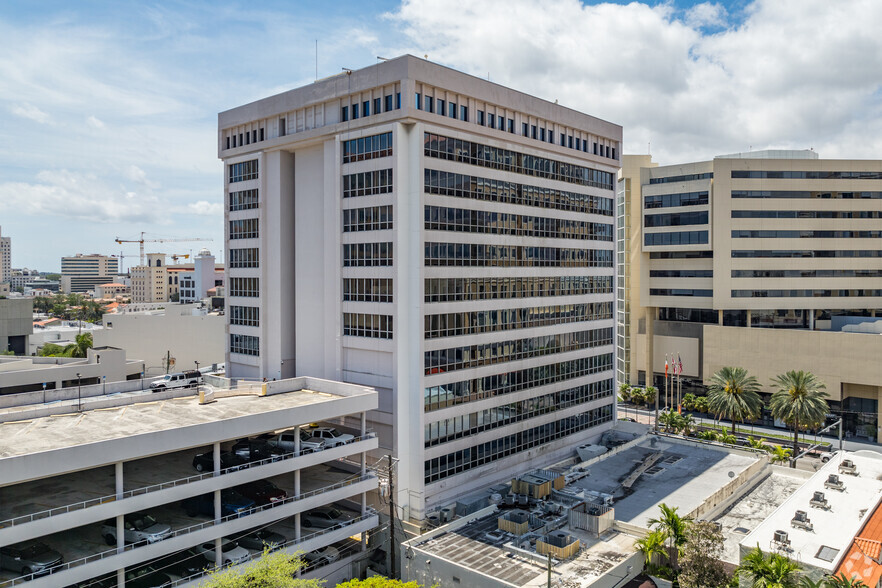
{"x": 44, "y": 392}
{"x": 142, "y": 377}
{"x": 104, "y": 385}
{"x": 79, "y": 398}
{"x": 197, "y": 373}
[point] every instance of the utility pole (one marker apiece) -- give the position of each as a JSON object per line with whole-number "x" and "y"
{"x": 392, "y": 548}
{"x": 549, "y": 569}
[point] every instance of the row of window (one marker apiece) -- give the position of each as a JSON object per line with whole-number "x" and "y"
{"x": 371, "y": 218}
{"x": 245, "y": 228}
{"x": 448, "y": 148}
{"x": 539, "y": 133}
{"x": 688, "y": 315}
{"x": 375, "y": 326}
{"x": 804, "y": 253}
{"x": 249, "y": 287}
{"x": 681, "y": 273}
{"x": 367, "y": 254}
{"x": 367, "y": 183}
{"x": 807, "y": 273}
{"x": 248, "y": 316}
{"x": 454, "y": 324}
{"x": 681, "y": 255}
{"x": 455, "y": 393}
{"x": 365, "y": 148}
{"x": 678, "y": 238}
{"x": 471, "y": 356}
{"x": 476, "y": 188}
{"x": 744, "y": 234}
{"x": 365, "y": 110}
{"x": 803, "y": 293}
{"x": 465, "y": 254}
{"x": 806, "y": 214}
{"x": 682, "y": 178}
{"x": 244, "y": 344}
{"x": 806, "y": 175}
{"x": 459, "y": 289}
{"x": 440, "y": 218}
{"x": 245, "y": 170}
{"x": 673, "y": 200}
{"x": 680, "y": 292}
{"x": 472, "y": 457}
{"x": 677, "y": 219}
{"x": 367, "y": 289}
{"x": 249, "y": 257}
{"x": 246, "y": 138}
{"x": 243, "y": 200}
{"x": 465, "y": 425}
{"x": 428, "y": 104}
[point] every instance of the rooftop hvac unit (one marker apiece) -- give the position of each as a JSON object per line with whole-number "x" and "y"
{"x": 781, "y": 537}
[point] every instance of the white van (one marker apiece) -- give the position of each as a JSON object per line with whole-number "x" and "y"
{"x": 177, "y": 380}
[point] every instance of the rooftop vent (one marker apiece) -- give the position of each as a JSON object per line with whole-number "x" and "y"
{"x": 827, "y": 553}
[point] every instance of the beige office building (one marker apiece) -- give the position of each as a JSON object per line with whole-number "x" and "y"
{"x": 768, "y": 260}
{"x": 150, "y": 282}
{"x": 81, "y": 273}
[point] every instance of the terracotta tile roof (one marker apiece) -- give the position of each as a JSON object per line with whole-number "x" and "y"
{"x": 861, "y": 560}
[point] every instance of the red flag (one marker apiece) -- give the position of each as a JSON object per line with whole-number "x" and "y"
{"x": 666, "y": 366}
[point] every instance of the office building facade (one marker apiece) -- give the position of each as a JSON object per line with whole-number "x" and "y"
{"x": 5, "y": 259}
{"x": 443, "y": 239}
{"x": 81, "y": 273}
{"x": 767, "y": 260}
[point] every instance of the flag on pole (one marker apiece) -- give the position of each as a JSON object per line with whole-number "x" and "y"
{"x": 666, "y": 366}
{"x": 680, "y": 365}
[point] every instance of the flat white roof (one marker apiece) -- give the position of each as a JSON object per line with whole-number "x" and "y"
{"x": 833, "y": 528}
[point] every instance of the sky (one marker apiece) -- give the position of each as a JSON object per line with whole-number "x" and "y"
{"x": 108, "y": 109}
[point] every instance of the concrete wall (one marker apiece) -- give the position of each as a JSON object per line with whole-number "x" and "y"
{"x": 149, "y": 337}
{"x": 16, "y": 324}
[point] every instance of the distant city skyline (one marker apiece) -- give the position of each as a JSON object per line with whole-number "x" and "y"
{"x": 108, "y": 111}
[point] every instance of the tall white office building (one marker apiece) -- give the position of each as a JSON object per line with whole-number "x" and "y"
{"x": 5, "y": 259}
{"x": 444, "y": 239}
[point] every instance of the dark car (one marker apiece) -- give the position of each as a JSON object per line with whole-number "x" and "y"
{"x": 29, "y": 557}
{"x": 326, "y": 517}
{"x": 204, "y": 462}
{"x": 231, "y": 503}
{"x": 252, "y": 450}
{"x": 146, "y": 577}
{"x": 259, "y": 540}
{"x": 183, "y": 564}
{"x": 262, "y": 492}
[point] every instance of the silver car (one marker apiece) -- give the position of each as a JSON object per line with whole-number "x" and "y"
{"x": 29, "y": 557}
{"x": 138, "y": 527}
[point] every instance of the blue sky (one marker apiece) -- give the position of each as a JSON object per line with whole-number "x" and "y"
{"x": 108, "y": 109}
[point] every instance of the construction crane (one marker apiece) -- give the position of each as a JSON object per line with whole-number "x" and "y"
{"x": 176, "y": 256}
{"x": 142, "y": 240}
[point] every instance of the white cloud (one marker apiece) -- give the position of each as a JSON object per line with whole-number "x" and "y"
{"x": 793, "y": 73}
{"x": 135, "y": 174}
{"x": 206, "y": 208}
{"x": 95, "y": 122}
{"x": 31, "y": 112}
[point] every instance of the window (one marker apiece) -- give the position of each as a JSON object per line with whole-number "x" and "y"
{"x": 367, "y": 254}
{"x": 511, "y": 125}
{"x": 241, "y": 140}
{"x": 377, "y": 104}
{"x": 806, "y": 175}
{"x": 373, "y": 218}
{"x": 261, "y": 133}
{"x": 228, "y": 142}
{"x": 595, "y": 153}
{"x": 456, "y": 324}
{"x": 344, "y": 114}
{"x": 679, "y": 292}
{"x": 249, "y": 257}
{"x": 679, "y": 238}
{"x": 477, "y": 188}
{"x": 534, "y": 131}
{"x": 805, "y": 194}
{"x": 491, "y": 120}
{"x": 246, "y": 228}
{"x": 248, "y": 316}
{"x": 524, "y": 129}
{"x": 578, "y": 144}
{"x": 234, "y": 141}
{"x": 481, "y": 117}
{"x": 744, "y": 234}
{"x": 805, "y": 253}
{"x": 247, "y": 287}
{"x": 673, "y": 200}
{"x": 805, "y": 293}
{"x": 441, "y": 107}
{"x": 441, "y": 147}
{"x": 683, "y": 178}
{"x": 282, "y": 127}
{"x": 375, "y": 326}
{"x": 254, "y": 136}
{"x": 367, "y": 183}
{"x": 244, "y": 344}
{"x": 418, "y": 102}
{"x": 440, "y": 218}
{"x": 807, "y": 273}
{"x": 484, "y": 255}
{"x": 451, "y": 109}
{"x": 355, "y": 111}
{"x": 481, "y": 288}
{"x": 429, "y": 104}
{"x": 676, "y": 219}
{"x": 398, "y": 100}
{"x": 388, "y": 102}
{"x": 367, "y": 290}
{"x": 542, "y": 134}
{"x": 681, "y": 273}
{"x": 366, "y": 108}
{"x": 550, "y": 136}
{"x": 366, "y": 148}
{"x": 246, "y": 170}
{"x": 243, "y": 200}
{"x": 681, "y": 255}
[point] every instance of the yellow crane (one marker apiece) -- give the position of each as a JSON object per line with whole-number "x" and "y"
{"x": 176, "y": 256}
{"x": 142, "y": 240}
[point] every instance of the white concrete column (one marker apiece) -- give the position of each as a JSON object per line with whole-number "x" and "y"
{"x": 216, "y": 455}
{"x": 363, "y": 423}
{"x": 296, "y": 484}
{"x": 218, "y": 513}
{"x": 219, "y": 554}
{"x": 719, "y": 317}
{"x": 118, "y": 467}
{"x": 748, "y": 318}
{"x": 120, "y": 534}
{"x": 297, "y": 441}
{"x": 121, "y": 578}
{"x": 297, "y": 527}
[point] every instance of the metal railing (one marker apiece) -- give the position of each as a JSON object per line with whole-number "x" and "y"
{"x": 19, "y": 520}
{"x": 287, "y": 544}
{"x": 198, "y": 527}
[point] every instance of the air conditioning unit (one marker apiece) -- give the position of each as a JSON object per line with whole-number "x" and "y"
{"x": 780, "y": 537}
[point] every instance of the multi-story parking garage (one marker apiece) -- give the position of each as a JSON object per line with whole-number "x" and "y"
{"x": 71, "y": 483}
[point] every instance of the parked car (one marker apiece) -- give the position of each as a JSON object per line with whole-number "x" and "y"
{"x": 177, "y": 380}
{"x": 231, "y": 503}
{"x": 326, "y": 517}
{"x": 258, "y": 540}
{"x": 827, "y": 455}
{"x": 252, "y": 450}
{"x": 262, "y": 492}
{"x": 138, "y": 527}
{"x": 204, "y": 462}
{"x": 232, "y": 553}
{"x": 284, "y": 442}
{"x": 147, "y": 577}
{"x": 182, "y": 564}
{"x": 331, "y": 436}
{"x": 320, "y": 557}
{"x": 29, "y": 557}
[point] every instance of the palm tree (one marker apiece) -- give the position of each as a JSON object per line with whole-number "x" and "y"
{"x": 772, "y": 571}
{"x": 800, "y": 402}
{"x": 727, "y": 438}
{"x": 806, "y": 582}
{"x": 756, "y": 443}
{"x": 734, "y": 394}
{"x": 778, "y": 453}
{"x": 843, "y": 581}
{"x": 673, "y": 527}
{"x": 652, "y": 546}
{"x": 708, "y": 435}
{"x": 81, "y": 347}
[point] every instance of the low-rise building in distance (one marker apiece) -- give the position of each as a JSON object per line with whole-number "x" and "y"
{"x": 81, "y": 273}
